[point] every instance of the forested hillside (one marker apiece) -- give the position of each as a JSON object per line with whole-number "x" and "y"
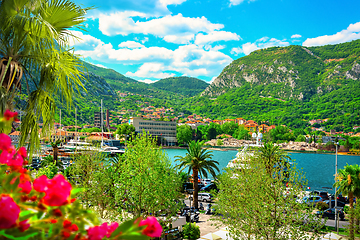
{"x": 186, "y": 86}
{"x": 288, "y": 85}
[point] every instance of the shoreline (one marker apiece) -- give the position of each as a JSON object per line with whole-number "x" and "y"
{"x": 228, "y": 148}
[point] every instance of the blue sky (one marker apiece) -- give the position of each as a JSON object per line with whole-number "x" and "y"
{"x": 148, "y": 40}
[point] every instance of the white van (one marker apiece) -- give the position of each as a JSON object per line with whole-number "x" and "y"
{"x": 205, "y": 197}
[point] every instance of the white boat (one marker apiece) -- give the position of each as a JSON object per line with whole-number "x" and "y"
{"x": 241, "y": 157}
{"x": 78, "y": 146}
{"x": 112, "y": 150}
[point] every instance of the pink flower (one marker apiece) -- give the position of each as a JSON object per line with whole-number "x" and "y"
{"x": 5, "y": 141}
{"x": 57, "y": 190}
{"x": 25, "y": 184}
{"x": 24, "y": 225}
{"x": 11, "y": 158}
{"x": 97, "y": 232}
{"x": 22, "y": 152}
{"x": 9, "y": 212}
{"x": 8, "y": 115}
{"x": 153, "y": 228}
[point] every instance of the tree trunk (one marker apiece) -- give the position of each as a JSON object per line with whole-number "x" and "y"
{"x": 351, "y": 229}
{"x": 195, "y": 184}
{"x": 55, "y": 152}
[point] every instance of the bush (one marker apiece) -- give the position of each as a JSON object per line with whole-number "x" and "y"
{"x": 322, "y": 206}
{"x": 219, "y": 142}
{"x": 346, "y": 209}
{"x": 191, "y": 231}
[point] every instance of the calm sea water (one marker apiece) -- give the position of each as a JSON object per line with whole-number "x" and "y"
{"x": 319, "y": 169}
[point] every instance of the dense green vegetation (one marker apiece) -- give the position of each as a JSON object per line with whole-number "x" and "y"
{"x": 186, "y": 86}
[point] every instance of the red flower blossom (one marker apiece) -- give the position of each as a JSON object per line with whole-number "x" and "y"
{"x": 25, "y": 184}
{"x": 57, "y": 190}
{"x": 9, "y": 115}
{"x": 57, "y": 212}
{"x": 5, "y": 142}
{"x": 74, "y": 228}
{"x": 24, "y": 225}
{"x": 9, "y": 212}
{"x": 53, "y": 220}
{"x": 97, "y": 232}
{"x": 153, "y": 228}
{"x": 66, "y": 224}
{"x": 22, "y": 152}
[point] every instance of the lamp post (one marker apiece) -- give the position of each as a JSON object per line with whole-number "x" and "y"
{"x": 336, "y": 213}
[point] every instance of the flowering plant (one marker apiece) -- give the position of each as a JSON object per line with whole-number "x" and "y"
{"x": 47, "y": 208}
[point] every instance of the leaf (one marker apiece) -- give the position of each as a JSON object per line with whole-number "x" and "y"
{"x": 2, "y": 233}
{"x": 75, "y": 191}
{"x": 135, "y": 236}
{"x": 123, "y": 227}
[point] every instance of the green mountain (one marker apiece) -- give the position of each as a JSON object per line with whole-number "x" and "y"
{"x": 288, "y": 85}
{"x": 186, "y": 86}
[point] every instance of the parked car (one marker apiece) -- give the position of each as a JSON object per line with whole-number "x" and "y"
{"x": 330, "y": 213}
{"x": 310, "y": 200}
{"x": 323, "y": 195}
{"x": 205, "y": 197}
{"x": 339, "y": 203}
{"x": 209, "y": 187}
{"x": 342, "y": 198}
{"x": 206, "y": 181}
{"x": 191, "y": 190}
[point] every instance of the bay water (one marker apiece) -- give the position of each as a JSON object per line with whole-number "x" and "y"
{"x": 319, "y": 169}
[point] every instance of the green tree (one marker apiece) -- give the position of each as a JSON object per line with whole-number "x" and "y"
{"x": 281, "y": 133}
{"x": 259, "y": 206}
{"x": 229, "y": 128}
{"x": 34, "y": 42}
{"x": 198, "y": 160}
{"x": 183, "y": 134}
{"x": 242, "y": 133}
{"x": 125, "y": 130}
{"x": 348, "y": 183}
{"x": 146, "y": 183}
{"x": 273, "y": 157}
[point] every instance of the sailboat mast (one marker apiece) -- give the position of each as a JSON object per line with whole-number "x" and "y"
{"x": 101, "y": 122}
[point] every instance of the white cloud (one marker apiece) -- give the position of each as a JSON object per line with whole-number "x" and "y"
{"x": 175, "y": 29}
{"x": 130, "y": 44}
{"x": 171, "y": 2}
{"x": 157, "y": 62}
{"x": 296, "y": 36}
{"x": 152, "y": 70}
{"x": 261, "y": 43}
{"x": 237, "y": 2}
{"x": 148, "y": 81}
{"x": 215, "y": 36}
{"x": 83, "y": 40}
{"x": 99, "y": 65}
{"x": 349, "y": 34}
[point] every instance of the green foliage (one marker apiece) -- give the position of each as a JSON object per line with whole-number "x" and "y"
{"x": 146, "y": 183}
{"x": 322, "y": 206}
{"x": 229, "y": 128}
{"x": 183, "y": 134}
{"x": 191, "y": 231}
{"x": 90, "y": 130}
{"x": 50, "y": 170}
{"x": 125, "y": 130}
{"x": 186, "y": 86}
{"x": 242, "y": 133}
{"x": 89, "y": 171}
{"x": 300, "y": 138}
{"x": 281, "y": 133}
{"x": 219, "y": 142}
{"x": 255, "y": 206}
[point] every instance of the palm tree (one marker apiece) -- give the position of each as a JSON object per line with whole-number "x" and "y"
{"x": 274, "y": 157}
{"x": 55, "y": 145}
{"x": 35, "y": 53}
{"x": 348, "y": 183}
{"x": 198, "y": 160}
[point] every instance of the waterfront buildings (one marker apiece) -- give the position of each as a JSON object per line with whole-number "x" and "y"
{"x": 166, "y": 130}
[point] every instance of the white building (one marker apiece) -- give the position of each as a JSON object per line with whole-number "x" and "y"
{"x": 163, "y": 129}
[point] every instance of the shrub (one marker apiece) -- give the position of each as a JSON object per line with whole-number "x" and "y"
{"x": 191, "y": 231}
{"x": 322, "y": 206}
{"x": 219, "y": 142}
